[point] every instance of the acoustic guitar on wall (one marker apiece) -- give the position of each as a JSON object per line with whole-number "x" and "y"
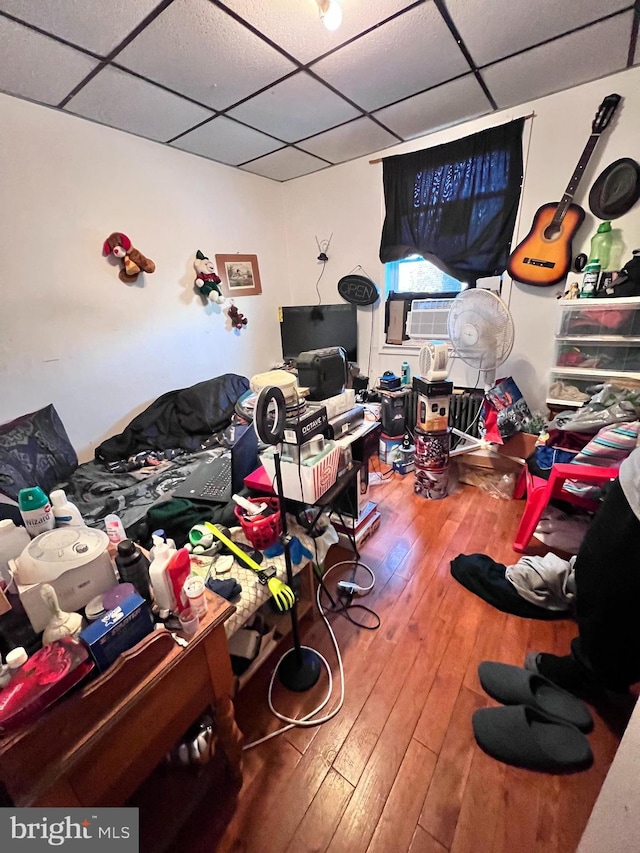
{"x": 543, "y": 258}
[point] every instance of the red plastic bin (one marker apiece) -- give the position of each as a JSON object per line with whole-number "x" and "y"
{"x": 262, "y": 531}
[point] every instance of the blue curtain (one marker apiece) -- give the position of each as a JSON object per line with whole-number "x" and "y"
{"x": 455, "y": 204}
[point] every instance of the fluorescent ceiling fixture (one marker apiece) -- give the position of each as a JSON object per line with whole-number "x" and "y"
{"x": 330, "y": 13}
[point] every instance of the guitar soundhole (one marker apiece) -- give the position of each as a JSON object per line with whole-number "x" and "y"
{"x": 552, "y": 231}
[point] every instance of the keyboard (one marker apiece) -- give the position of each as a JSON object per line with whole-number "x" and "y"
{"x": 219, "y": 484}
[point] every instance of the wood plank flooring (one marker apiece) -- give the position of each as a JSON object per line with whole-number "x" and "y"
{"x": 398, "y": 768}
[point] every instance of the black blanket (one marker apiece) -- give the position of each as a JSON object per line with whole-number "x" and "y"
{"x": 185, "y": 418}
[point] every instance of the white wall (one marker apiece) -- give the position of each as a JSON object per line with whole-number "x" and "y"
{"x": 347, "y": 200}
{"x": 71, "y": 332}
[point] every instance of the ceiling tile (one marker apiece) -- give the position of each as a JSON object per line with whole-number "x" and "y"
{"x": 401, "y": 58}
{"x": 443, "y": 106}
{"x": 302, "y": 33}
{"x": 26, "y": 60}
{"x": 351, "y": 140}
{"x": 508, "y": 26}
{"x": 560, "y": 64}
{"x": 98, "y": 25}
{"x": 226, "y": 141}
{"x": 285, "y": 164}
{"x": 300, "y": 106}
{"x": 121, "y": 100}
{"x": 199, "y": 50}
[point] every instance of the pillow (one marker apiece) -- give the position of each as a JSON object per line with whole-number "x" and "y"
{"x": 35, "y": 451}
{"x": 607, "y": 449}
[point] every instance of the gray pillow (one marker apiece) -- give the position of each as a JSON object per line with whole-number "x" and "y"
{"x": 35, "y": 451}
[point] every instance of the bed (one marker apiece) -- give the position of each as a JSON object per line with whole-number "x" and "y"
{"x": 133, "y": 472}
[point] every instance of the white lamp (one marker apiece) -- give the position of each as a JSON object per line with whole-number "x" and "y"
{"x": 330, "y": 13}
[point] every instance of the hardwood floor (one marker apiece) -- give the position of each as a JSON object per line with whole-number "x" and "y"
{"x": 398, "y": 768}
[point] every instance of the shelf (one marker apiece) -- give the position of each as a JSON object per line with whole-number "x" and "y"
{"x": 574, "y": 404}
{"x": 614, "y": 340}
{"x": 588, "y": 372}
{"x": 616, "y": 302}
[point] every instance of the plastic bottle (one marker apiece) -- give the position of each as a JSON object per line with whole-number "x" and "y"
{"x": 178, "y": 569}
{"x": 159, "y": 576}
{"x": 133, "y": 567}
{"x": 406, "y": 373}
{"x": 65, "y": 513}
{"x": 35, "y": 510}
{"x": 159, "y": 534}
{"x": 601, "y": 245}
{"x": 16, "y": 658}
{"x": 13, "y": 541}
{"x": 114, "y": 528}
{"x": 590, "y": 279}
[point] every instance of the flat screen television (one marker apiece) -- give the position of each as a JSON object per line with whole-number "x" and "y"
{"x": 309, "y": 327}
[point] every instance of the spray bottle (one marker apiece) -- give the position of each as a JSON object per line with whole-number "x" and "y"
{"x": 159, "y": 575}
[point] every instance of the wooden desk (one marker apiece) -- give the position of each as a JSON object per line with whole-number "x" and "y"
{"x": 97, "y": 746}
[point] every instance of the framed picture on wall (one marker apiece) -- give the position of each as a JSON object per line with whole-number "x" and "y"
{"x": 240, "y": 275}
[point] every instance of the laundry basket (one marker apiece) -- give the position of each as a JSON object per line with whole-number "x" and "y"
{"x": 262, "y": 531}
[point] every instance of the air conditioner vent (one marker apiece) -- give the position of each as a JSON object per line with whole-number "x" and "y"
{"x": 427, "y": 319}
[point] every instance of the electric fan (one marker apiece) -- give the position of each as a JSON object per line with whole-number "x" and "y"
{"x": 433, "y": 361}
{"x": 481, "y": 332}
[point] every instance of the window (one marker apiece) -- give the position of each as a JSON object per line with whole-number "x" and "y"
{"x": 414, "y": 275}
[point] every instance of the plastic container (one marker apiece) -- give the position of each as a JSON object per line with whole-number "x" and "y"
{"x": 178, "y": 569}
{"x": 65, "y": 513}
{"x": 194, "y": 590}
{"x": 159, "y": 576}
{"x": 262, "y": 531}
{"x": 36, "y": 511}
{"x": 590, "y": 279}
{"x": 17, "y": 658}
{"x": 114, "y": 528}
{"x": 601, "y": 245}
{"x": 13, "y": 541}
{"x": 133, "y": 567}
{"x": 189, "y": 621}
{"x": 160, "y": 534}
{"x": 405, "y": 373}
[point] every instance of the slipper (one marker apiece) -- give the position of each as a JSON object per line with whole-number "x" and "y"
{"x": 524, "y": 737}
{"x": 512, "y": 685}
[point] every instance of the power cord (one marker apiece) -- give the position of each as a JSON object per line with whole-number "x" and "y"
{"x": 310, "y": 719}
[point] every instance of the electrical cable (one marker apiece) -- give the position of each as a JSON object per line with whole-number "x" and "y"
{"x": 308, "y": 721}
{"x": 324, "y": 264}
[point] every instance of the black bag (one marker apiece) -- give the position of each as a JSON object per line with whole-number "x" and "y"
{"x": 627, "y": 283}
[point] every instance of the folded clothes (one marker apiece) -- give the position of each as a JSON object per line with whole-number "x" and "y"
{"x": 228, "y": 588}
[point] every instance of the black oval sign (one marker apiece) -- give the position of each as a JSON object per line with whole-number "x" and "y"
{"x": 358, "y": 289}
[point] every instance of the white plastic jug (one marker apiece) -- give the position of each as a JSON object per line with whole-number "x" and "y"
{"x": 13, "y": 541}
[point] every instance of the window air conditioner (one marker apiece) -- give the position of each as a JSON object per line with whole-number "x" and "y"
{"x": 427, "y": 319}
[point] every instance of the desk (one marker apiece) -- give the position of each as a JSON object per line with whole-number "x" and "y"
{"x": 96, "y": 746}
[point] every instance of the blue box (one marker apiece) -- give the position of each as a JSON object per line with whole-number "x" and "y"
{"x": 118, "y": 630}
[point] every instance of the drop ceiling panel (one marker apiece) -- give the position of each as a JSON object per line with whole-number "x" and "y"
{"x": 560, "y": 64}
{"x": 200, "y": 51}
{"x": 299, "y": 106}
{"x": 443, "y": 106}
{"x": 121, "y": 100}
{"x": 27, "y": 59}
{"x": 285, "y": 164}
{"x": 351, "y": 140}
{"x": 227, "y": 141}
{"x": 491, "y": 30}
{"x": 401, "y": 58}
{"x": 98, "y": 25}
{"x": 301, "y": 33}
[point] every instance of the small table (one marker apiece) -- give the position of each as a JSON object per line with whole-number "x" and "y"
{"x": 100, "y": 743}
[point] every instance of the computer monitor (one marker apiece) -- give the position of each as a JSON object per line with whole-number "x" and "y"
{"x": 310, "y": 327}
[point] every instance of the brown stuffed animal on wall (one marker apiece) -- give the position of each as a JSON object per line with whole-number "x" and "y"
{"x": 134, "y": 262}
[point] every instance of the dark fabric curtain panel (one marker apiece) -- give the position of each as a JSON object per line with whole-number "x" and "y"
{"x": 455, "y": 204}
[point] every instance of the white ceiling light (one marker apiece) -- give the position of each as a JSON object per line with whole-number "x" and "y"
{"x": 330, "y": 13}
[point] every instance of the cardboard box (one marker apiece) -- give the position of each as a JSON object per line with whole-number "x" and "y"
{"x": 305, "y": 482}
{"x": 489, "y": 458}
{"x": 117, "y": 631}
{"x": 387, "y": 446}
{"x": 519, "y": 446}
{"x": 312, "y": 422}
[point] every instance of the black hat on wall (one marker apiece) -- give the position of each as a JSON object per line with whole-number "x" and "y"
{"x": 616, "y": 189}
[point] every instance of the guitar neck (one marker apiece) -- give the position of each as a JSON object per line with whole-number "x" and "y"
{"x": 572, "y": 186}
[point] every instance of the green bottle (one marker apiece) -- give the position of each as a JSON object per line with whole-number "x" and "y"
{"x": 590, "y": 279}
{"x": 601, "y": 245}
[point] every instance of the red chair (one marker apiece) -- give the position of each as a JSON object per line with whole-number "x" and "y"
{"x": 540, "y": 491}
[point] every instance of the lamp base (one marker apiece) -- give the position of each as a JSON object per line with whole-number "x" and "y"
{"x": 299, "y": 677}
